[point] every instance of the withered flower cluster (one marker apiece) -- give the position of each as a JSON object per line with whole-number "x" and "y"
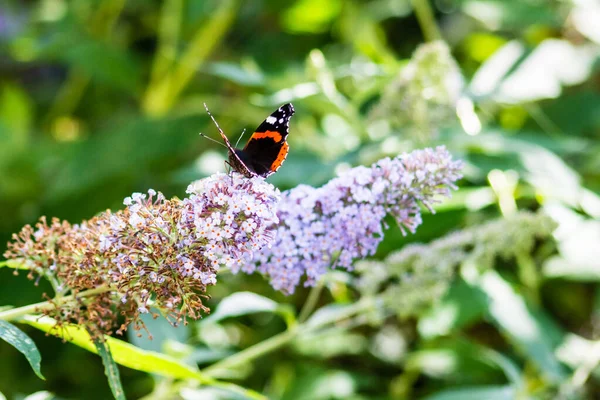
{"x": 156, "y": 253}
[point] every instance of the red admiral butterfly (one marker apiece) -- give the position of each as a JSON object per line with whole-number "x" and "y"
{"x": 266, "y": 149}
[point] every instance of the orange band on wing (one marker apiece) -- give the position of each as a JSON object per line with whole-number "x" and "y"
{"x": 283, "y": 152}
{"x": 276, "y": 136}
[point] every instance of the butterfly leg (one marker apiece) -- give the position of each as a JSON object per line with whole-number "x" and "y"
{"x": 229, "y": 167}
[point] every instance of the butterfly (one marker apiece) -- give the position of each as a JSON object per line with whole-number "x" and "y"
{"x": 266, "y": 149}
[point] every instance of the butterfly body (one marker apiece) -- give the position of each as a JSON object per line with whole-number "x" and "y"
{"x": 266, "y": 149}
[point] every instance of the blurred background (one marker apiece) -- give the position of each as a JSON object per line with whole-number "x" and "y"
{"x": 102, "y": 99}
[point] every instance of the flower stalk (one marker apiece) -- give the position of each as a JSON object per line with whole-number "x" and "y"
{"x": 266, "y": 346}
{"x": 44, "y": 306}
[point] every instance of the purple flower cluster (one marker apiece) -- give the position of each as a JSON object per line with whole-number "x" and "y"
{"x": 342, "y": 221}
{"x": 156, "y": 243}
{"x": 231, "y": 217}
{"x": 155, "y": 253}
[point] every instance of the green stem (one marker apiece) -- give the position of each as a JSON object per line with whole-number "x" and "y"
{"x": 283, "y": 338}
{"x": 54, "y": 282}
{"x": 168, "y": 37}
{"x": 542, "y": 119}
{"x": 528, "y": 274}
{"x": 69, "y": 95}
{"x": 224, "y": 270}
{"x": 311, "y": 301}
{"x": 105, "y": 17}
{"x": 163, "y": 92}
{"x": 16, "y": 313}
{"x": 250, "y": 353}
{"x": 424, "y": 15}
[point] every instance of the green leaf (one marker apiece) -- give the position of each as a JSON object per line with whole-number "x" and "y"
{"x": 542, "y": 168}
{"x": 311, "y": 16}
{"x": 237, "y": 74}
{"x": 207, "y": 355}
{"x": 242, "y": 303}
{"x": 326, "y": 313}
{"x": 511, "y": 76}
{"x": 20, "y": 341}
{"x": 454, "y": 360}
{"x": 473, "y": 198}
{"x": 16, "y": 114}
{"x": 511, "y": 14}
{"x": 512, "y": 372}
{"x": 123, "y": 353}
{"x": 462, "y": 305}
{"x": 509, "y": 311}
{"x": 110, "y": 369}
{"x": 132, "y": 357}
{"x": 579, "y": 256}
{"x": 319, "y": 383}
{"x": 41, "y": 395}
{"x": 550, "y": 175}
{"x": 577, "y": 351}
{"x": 331, "y": 343}
{"x": 584, "y": 105}
{"x": 562, "y": 267}
{"x": 585, "y": 16}
{"x": 475, "y": 393}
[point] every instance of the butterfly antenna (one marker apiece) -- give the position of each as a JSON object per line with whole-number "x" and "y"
{"x": 226, "y": 144}
{"x": 240, "y": 138}
{"x": 211, "y": 139}
{"x": 214, "y": 120}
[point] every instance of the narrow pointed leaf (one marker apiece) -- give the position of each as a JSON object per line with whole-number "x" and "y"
{"x": 241, "y": 303}
{"x": 20, "y": 341}
{"x": 123, "y": 353}
{"x": 509, "y": 311}
{"x": 110, "y": 369}
{"x": 475, "y": 393}
{"x": 132, "y": 357}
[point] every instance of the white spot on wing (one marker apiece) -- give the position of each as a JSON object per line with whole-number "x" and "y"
{"x": 271, "y": 120}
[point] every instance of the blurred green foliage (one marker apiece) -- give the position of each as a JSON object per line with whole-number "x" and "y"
{"x": 101, "y": 99}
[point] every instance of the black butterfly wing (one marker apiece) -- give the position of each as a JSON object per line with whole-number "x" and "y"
{"x": 267, "y": 148}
